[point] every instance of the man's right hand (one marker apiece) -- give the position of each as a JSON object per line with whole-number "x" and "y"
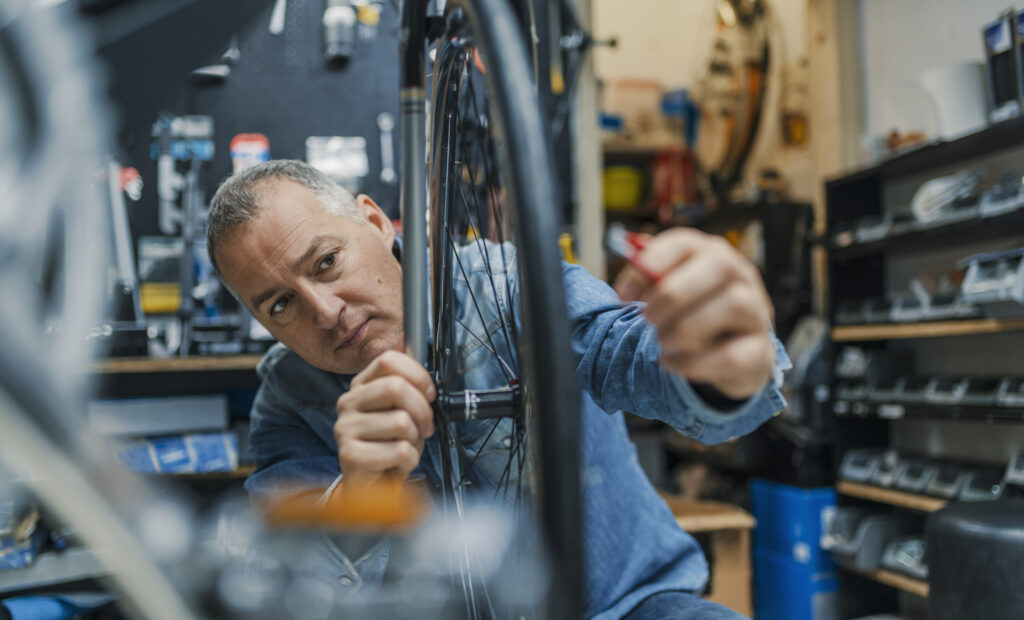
{"x": 384, "y": 419}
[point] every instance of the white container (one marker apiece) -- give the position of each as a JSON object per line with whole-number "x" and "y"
{"x": 958, "y": 91}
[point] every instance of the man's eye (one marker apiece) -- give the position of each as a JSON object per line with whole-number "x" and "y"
{"x": 279, "y": 306}
{"x": 327, "y": 262}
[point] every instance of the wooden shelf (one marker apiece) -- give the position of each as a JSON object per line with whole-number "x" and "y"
{"x": 896, "y": 580}
{"x": 52, "y": 568}
{"x": 708, "y": 516}
{"x": 176, "y": 364}
{"x": 889, "y": 496}
{"x": 852, "y": 333}
{"x": 242, "y": 472}
{"x": 626, "y": 148}
{"x": 895, "y": 411}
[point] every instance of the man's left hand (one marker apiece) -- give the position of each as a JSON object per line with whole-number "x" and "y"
{"x": 710, "y": 309}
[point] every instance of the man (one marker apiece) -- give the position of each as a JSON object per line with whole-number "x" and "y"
{"x": 341, "y": 405}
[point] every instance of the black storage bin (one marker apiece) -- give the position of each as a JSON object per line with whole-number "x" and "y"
{"x": 975, "y": 555}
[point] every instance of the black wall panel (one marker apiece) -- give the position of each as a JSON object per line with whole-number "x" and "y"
{"x": 281, "y": 87}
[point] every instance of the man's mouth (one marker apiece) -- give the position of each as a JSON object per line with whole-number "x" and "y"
{"x": 355, "y": 337}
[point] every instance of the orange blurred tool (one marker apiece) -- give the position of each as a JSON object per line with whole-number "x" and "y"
{"x": 387, "y": 505}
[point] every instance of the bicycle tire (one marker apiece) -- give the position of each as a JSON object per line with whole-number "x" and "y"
{"x": 550, "y": 400}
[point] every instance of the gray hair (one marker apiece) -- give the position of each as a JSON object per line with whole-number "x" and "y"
{"x": 239, "y": 198}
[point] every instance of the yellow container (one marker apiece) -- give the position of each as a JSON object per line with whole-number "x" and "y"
{"x": 623, "y": 188}
{"x": 160, "y": 297}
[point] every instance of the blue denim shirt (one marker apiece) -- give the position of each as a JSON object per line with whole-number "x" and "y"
{"x": 633, "y": 546}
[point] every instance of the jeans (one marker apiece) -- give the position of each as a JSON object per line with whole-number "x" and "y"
{"x": 680, "y": 606}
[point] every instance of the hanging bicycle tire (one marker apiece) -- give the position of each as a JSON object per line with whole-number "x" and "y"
{"x": 495, "y": 274}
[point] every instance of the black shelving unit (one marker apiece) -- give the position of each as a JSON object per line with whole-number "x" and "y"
{"x": 1001, "y": 136}
{"x": 860, "y": 271}
{"x": 897, "y": 411}
{"x": 933, "y": 237}
{"x": 141, "y": 377}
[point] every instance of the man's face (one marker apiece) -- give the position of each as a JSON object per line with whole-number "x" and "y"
{"x": 326, "y": 286}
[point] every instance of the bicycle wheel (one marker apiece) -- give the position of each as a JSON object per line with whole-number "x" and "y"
{"x": 496, "y": 278}
{"x": 52, "y": 238}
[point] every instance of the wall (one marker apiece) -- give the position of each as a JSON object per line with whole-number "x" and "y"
{"x": 900, "y": 39}
{"x": 661, "y": 40}
{"x": 668, "y": 40}
{"x": 281, "y": 87}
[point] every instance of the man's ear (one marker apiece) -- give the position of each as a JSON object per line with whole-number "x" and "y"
{"x": 376, "y": 218}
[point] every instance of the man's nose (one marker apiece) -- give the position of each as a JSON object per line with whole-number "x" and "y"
{"x": 327, "y": 308}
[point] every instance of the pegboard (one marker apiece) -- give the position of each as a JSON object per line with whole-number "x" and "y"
{"x": 282, "y": 87}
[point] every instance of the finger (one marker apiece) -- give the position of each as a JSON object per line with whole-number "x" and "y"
{"x": 672, "y": 247}
{"x": 684, "y": 288}
{"x": 378, "y": 456}
{"x": 378, "y": 426}
{"x": 738, "y": 367}
{"x": 631, "y": 283}
{"x": 737, "y": 309}
{"x": 693, "y": 282}
{"x": 387, "y": 394}
{"x": 395, "y": 363}
{"x": 405, "y": 468}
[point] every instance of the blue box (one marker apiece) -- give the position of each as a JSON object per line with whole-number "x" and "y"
{"x": 790, "y": 521}
{"x": 20, "y": 553}
{"x": 788, "y": 590}
{"x": 182, "y": 454}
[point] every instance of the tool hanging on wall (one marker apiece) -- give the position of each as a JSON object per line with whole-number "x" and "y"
{"x": 215, "y": 74}
{"x": 185, "y": 140}
{"x": 731, "y": 94}
{"x": 126, "y": 305}
{"x": 339, "y": 22}
{"x": 277, "y": 17}
{"x": 386, "y": 124}
{"x": 368, "y": 15}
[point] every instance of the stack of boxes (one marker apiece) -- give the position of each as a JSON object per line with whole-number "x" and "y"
{"x": 794, "y": 578}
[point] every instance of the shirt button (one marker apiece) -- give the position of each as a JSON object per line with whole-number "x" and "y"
{"x": 345, "y": 580}
{"x": 507, "y": 442}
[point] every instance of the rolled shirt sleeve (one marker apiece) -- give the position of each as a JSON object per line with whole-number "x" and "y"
{"x": 617, "y": 362}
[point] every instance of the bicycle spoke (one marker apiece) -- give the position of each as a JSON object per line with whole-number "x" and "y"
{"x": 504, "y": 366}
{"x": 503, "y": 479}
{"x": 494, "y": 427}
{"x": 521, "y": 481}
{"x": 490, "y": 274}
{"x": 509, "y": 373}
{"x": 501, "y": 223}
{"x": 490, "y": 175}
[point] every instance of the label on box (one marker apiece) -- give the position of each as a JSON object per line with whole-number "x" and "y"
{"x": 997, "y": 37}
{"x": 891, "y": 412}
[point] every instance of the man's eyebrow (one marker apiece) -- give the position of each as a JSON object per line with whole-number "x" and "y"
{"x": 314, "y": 247}
{"x": 257, "y": 300}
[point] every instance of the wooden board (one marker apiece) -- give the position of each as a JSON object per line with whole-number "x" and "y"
{"x": 242, "y": 472}
{"x": 849, "y": 333}
{"x": 907, "y": 584}
{"x": 731, "y": 571}
{"x": 626, "y": 148}
{"x": 177, "y": 364}
{"x": 707, "y": 516}
{"x": 889, "y": 496}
